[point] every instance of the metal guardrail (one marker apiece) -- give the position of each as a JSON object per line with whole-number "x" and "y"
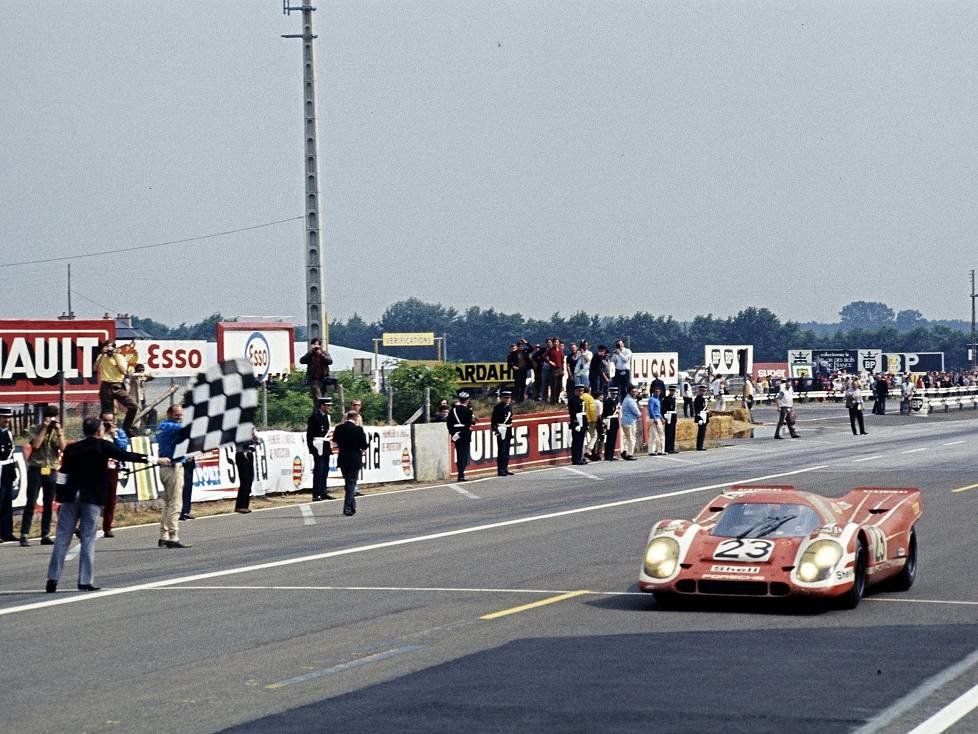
{"x": 923, "y": 400}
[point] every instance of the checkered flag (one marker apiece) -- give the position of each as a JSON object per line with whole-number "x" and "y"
{"x": 219, "y": 409}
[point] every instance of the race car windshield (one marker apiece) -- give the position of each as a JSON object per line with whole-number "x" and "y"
{"x": 765, "y": 520}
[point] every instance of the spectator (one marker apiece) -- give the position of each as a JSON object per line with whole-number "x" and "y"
{"x": 718, "y": 389}
{"x": 523, "y": 370}
{"x": 441, "y": 416}
{"x": 611, "y": 417}
{"x": 854, "y": 402}
{"x": 137, "y": 386}
{"x": 656, "y": 434}
{"x": 356, "y": 405}
{"x": 592, "y": 412}
{"x": 630, "y": 415}
{"x": 113, "y": 369}
{"x": 317, "y": 361}
{"x": 317, "y": 430}
{"x": 187, "y": 495}
{"x": 578, "y": 424}
{"x": 167, "y": 435}
{"x": 582, "y": 369}
{"x": 545, "y": 369}
{"x": 570, "y": 368}
{"x": 244, "y": 461}
{"x": 555, "y": 358}
{"x": 786, "y": 410}
{"x": 117, "y": 437}
{"x": 513, "y": 358}
{"x": 8, "y": 475}
{"x": 687, "y": 395}
{"x": 46, "y": 442}
{"x": 882, "y": 390}
{"x": 83, "y": 482}
{"x": 906, "y": 394}
{"x": 351, "y": 442}
{"x": 749, "y": 390}
{"x": 598, "y": 372}
{"x": 621, "y": 361}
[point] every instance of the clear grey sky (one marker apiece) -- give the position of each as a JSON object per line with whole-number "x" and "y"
{"x": 680, "y": 157}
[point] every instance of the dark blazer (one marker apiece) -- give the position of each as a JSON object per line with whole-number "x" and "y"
{"x": 699, "y": 405}
{"x": 318, "y": 427}
{"x": 86, "y": 464}
{"x": 352, "y": 442}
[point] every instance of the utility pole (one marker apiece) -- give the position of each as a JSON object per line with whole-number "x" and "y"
{"x": 974, "y": 346}
{"x": 317, "y": 318}
{"x": 71, "y": 315}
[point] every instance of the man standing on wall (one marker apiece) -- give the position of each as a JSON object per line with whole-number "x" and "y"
{"x": 112, "y": 369}
{"x": 502, "y": 429}
{"x": 317, "y": 361}
{"x": 621, "y": 360}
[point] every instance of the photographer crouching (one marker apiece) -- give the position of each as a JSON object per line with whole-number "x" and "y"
{"x": 81, "y": 489}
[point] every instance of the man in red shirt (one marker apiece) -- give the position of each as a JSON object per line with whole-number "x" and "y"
{"x": 555, "y": 357}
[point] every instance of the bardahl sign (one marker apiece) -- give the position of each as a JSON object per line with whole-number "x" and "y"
{"x": 32, "y": 353}
{"x": 473, "y": 374}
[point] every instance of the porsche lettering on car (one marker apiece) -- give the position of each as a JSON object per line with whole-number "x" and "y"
{"x": 777, "y": 541}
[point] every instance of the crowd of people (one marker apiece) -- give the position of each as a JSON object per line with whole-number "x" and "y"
{"x": 544, "y": 372}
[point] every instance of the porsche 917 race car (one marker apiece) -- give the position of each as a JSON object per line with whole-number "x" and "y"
{"x": 776, "y": 541}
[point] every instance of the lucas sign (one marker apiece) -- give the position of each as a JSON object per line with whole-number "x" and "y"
{"x": 32, "y": 353}
{"x": 647, "y": 366}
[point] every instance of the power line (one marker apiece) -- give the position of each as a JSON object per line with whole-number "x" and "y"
{"x": 148, "y": 247}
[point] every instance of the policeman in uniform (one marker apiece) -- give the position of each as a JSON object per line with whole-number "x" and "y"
{"x": 610, "y": 413}
{"x": 317, "y": 428}
{"x": 8, "y": 476}
{"x": 460, "y": 422}
{"x": 671, "y": 417}
{"x": 578, "y": 423}
{"x": 701, "y": 416}
{"x": 502, "y": 429}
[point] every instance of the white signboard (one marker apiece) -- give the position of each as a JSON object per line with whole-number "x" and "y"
{"x": 646, "y": 366}
{"x": 269, "y": 349}
{"x": 722, "y": 359}
{"x": 172, "y": 357}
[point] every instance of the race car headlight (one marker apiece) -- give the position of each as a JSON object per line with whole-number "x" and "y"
{"x": 818, "y": 560}
{"x": 661, "y": 558}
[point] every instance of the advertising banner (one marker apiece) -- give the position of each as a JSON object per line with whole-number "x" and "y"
{"x": 474, "y": 374}
{"x": 646, "y": 366}
{"x": 268, "y": 346}
{"x": 168, "y": 357}
{"x": 829, "y": 361}
{"x": 770, "y": 370}
{"x": 723, "y": 359}
{"x": 914, "y": 362}
{"x": 33, "y": 352}
{"x": 538, "y": 440}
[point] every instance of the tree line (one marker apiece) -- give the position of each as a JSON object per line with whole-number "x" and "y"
{"x": 484, "y": 335}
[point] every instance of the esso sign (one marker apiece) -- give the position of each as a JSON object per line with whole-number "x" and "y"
{"x": 258, "y": 352}
{"x": 173, "y": 358}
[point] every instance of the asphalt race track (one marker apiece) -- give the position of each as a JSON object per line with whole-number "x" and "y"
{"x": 286, "y": 620}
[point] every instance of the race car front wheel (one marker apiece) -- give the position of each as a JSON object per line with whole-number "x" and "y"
{"x": 904, "y": 580}
{"x": 851, "y": 599}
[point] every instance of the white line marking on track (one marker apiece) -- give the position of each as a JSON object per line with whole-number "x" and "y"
{"x": 744, "y": 448}
{"x": 950, "y": 714}
{"x": 307, "y": 516}
{"x": 868, "y": 458}
{"x": 391, "y": 543}
{"x": 450, "y": 589}
{"x": 923, "y": 601}
{"x": 376, "y": 657}
{"x": 681, "y": 461}
{"x": 572, "y": 470}
{"x": 952, "y": 443}
{"x": 921, "y": 692}
{"x": 914, "y": 451}
{"x": 72, "y": 554}
{"x": 463, "y": 491}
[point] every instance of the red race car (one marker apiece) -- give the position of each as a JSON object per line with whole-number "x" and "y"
{"x": 776, "y": 541}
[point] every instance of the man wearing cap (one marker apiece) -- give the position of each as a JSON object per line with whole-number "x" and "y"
{"x": 460, "y": 422}
{"x": 8, "y": 473}
{"x": 578, "y": 424}
{"x": 701, "y": 416}
{"x": 316, "y": 430}
{"x": 502, "y": 429}
{"x": 670, "y": 416}
{"x": 47, "y": 442}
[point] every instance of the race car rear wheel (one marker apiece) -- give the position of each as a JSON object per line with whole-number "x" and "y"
{"x": 904, "y": 580}
{"x": 851, "y": 599}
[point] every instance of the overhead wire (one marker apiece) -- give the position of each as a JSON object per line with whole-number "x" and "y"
{"x": 136, "y": 248}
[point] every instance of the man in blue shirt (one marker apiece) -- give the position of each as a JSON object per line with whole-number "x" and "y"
{"x": 167, "y": 436}
{"x": 630, "y": 414}
{"x": 656, "y": 433}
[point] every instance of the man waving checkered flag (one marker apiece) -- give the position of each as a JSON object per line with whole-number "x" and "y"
{"x": 219, "y": 408}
